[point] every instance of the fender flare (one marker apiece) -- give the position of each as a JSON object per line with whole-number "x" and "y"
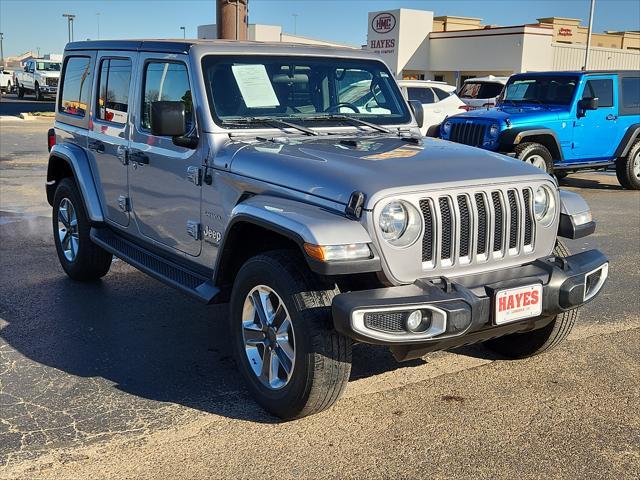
{"x": 302, "y": 223}
{"x": 514, "y": 136}
{"x": 628, "y": 138}
{"x": 78, "y": 162}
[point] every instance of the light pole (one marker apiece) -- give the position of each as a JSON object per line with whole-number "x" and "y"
{"x": 586, "y": 53}
{"x": 69, "y": 18}
{"x": 98, "y": 17}
{"x": 295, "y": 23}
{"x": 184, "y": 32}
{"x": 1, "y": 49}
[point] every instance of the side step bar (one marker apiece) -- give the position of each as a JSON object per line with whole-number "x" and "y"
{"x": 174, "y": 275}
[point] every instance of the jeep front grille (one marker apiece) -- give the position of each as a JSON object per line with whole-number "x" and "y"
{"x": 467, "y": 133}
{"x": 51, "y": 81}
{"x": 470, "y": 228}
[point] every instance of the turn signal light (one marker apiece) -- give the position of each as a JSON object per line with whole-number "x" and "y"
{"x": 329, "y": 253}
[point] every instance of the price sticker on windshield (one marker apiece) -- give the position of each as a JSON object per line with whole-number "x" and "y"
{"x": 255, "y": 86}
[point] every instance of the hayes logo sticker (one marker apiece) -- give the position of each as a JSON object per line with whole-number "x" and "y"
{"x": 383, "y": 23}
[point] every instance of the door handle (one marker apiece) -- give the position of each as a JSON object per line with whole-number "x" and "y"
{"x": 139, "y": 157}
{"x": 96, "y": 146}
{"x": 611, "y": 116}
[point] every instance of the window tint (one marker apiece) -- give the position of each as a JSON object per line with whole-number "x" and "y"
{"x": 113, "y": 92}
{"x": 423, "y": 95}
{"x": 631, "y": 93}
{"x": 600, "y": 89}
{"x": 75, "y": 86}
{"x": 166, "y": 81}
{"x": 441, "y": 94}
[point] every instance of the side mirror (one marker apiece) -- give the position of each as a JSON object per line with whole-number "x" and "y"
{"x": 168, "y": 119}
{"x": 418, "y": 112}
{"x": 589, "y": 103}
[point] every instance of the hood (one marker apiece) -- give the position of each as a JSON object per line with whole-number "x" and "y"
{"x": 49, "y": 74}
{"x": 333, "y": 168}
{"x": 519, "y": 115}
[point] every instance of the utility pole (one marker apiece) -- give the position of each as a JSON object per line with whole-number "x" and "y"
{"x": 586, "y": 53}
{"x": 69, "y": 18}
{"x": 231, "y": 19}
{"x": 295, "y": 23}
{"x": 184, "y": 32}
{"x": 1, "y": 49}
{"x": 98, "y": 17}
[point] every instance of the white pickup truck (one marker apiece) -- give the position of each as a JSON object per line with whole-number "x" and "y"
{"x": 39, "y": 77}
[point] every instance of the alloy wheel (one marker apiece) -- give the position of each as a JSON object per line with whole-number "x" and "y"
{"x": 68, "y": 229}
{"x": 537, "y": 161}
{"x": 268, "y": 336}
{"x": 636, "y": 165}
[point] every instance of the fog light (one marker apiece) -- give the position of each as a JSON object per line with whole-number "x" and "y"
{"x": 414, "y": 321}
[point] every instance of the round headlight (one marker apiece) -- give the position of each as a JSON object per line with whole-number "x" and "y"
{"x": 400, "y": 223}
{"x": 494, "y": 130}
{"x": 543, "y": 205}
{"x": 446, "y": 128}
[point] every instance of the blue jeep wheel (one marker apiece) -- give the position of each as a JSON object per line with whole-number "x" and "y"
{"x": 536, "y": 154}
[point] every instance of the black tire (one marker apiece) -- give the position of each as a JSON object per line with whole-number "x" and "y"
{"x": 526, "y": 151}
{"x": 560, "y": 175}
{"x": 37, "y": 92}
{"x": 20, "y": 91}
{"x": 91, "y": 262}
{"x": 528, "y": 344}
{"x": 322, "y": 356}
{"x": 625, "y": 168}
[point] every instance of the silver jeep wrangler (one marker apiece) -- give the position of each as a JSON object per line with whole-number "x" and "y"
{"x": 292, "y": 182}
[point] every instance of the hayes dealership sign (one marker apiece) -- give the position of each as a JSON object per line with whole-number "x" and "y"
{"x": 383, "y": 23}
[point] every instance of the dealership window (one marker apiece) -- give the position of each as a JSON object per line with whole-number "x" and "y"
{"x": 166, "y": 81}
{"x": 423, "y": 95}
{"x": 602, "y": 89}
{"x": 113, "y": 90}
{"x": 75, "y": 86}
{"x": 438, "y": 78}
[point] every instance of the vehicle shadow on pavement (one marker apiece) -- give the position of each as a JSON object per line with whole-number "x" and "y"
{"x": 147, "y": 339}
{"x": 603, "y": 182}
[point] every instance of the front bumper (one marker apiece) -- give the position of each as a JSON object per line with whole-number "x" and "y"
{"x": 48, "y": 90}
{"x": 461, "y": 310}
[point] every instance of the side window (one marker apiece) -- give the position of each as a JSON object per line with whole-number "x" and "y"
{"x": 631, "y": 94}
{"x": 113, "y": 90}
{"x": 601, "y": 89}
{"x": 167, "y": 81}
{"x": 441, "y": 94}
{"x": 75, "y": 86}
{"x": 423, "y": 95}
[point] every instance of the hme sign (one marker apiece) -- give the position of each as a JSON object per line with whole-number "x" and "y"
{"x": 383, "y": 22}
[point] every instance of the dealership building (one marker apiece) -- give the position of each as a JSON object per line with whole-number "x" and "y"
{"x": 418, "y": 45}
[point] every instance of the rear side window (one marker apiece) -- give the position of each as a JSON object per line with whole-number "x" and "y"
{"x": 113, "y": 91}
{"x": 423, "y": 95}
{"x": 75, "y": 86}
{"x": 441, "y": 94}
{"x": 601, "y": 89}
{"x": 480, "y": 90}
{"x": 631, "y": 94}
{"x": 166, "y": 81}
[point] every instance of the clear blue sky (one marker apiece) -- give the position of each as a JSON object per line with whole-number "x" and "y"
{"x": 28, "y": 24}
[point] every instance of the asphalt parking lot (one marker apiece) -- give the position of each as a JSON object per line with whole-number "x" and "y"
{"x": 126, "y": 378}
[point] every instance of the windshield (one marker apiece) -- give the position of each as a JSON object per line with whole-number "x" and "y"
{"x": 48, "y": 66}
{"x": 547, "y": 90}
{"x": 305, "y": 89}
{"x": 480, "y": 90}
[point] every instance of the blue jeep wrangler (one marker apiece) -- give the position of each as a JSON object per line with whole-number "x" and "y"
{"x": 561, "y": 122}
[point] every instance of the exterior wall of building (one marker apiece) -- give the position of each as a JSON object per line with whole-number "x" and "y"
{"x": 571, "y": 57}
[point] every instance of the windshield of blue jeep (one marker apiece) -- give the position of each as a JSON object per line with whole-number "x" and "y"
{"x": 243, "y": 90}
{"x": 535, "y": 89}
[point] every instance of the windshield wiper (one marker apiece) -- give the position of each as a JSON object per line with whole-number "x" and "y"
{"x": 353, "y": 120}
{"x": 272, "y": 122}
